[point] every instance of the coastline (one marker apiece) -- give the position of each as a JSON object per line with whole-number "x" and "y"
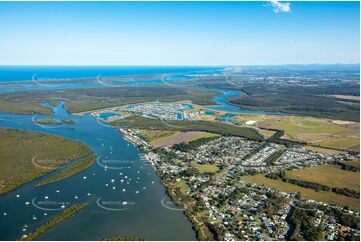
{"x": 196, "y": 225}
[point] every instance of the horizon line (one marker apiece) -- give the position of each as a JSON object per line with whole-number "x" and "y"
{"x": 157, "y": 65}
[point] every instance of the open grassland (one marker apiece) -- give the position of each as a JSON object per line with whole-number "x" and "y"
{"x": 347, "y": 97}
{"x": 344, "y": 144}
{"x": 156, "y": 136}
{"x": 329, "y": 175}
{"x": 323, "y": 150}
{"x": 354, "y": 162}
{"x": 323, "y": 196}
{"x": 161, "y": 138}
{"x": 25, "y": 156}
{"x": 206, "y": 168}
{"x": 201, "y": 135}
{"x": 328, "y": 134}
{"x": 267, "y": 133}
{"x": 212, "y": 127}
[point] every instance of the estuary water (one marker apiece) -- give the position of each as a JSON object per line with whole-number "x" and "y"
{"x": 123, "y": 191}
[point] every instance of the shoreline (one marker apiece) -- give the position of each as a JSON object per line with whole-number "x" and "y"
{"x": 196, "y": 227}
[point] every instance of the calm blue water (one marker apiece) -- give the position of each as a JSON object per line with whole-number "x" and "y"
{"x": 44, "y": 77}
{"x": 209, "y": 113}
{"x": 107, "y": 115}
{"x": 223, "y": 105}
{"x": 228, "y": 118}
{"x": 188, "y": 106}
{"x": 25, "y": 73}
{"x": 144, "y": 216}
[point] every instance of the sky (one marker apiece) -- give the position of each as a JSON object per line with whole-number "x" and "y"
{"x": 179, "y": 33}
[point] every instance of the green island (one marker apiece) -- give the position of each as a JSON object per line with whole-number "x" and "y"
{"x": 48, "y": 121}
{"x": 67, "y": 213}
{"x": 71, "y": 170}
{"x": 67, "y": 121}
{"x": 26, "y": 155}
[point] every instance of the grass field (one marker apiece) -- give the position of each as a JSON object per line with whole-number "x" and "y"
{"x": 25, "y": 156}
{"x": 330, "y": 175}
{"x": 323, "y": 150}
{"x": 267, "y": 133}
{"x": 207, "y": 168}
{"x": 163, "y": 138}
{"x": 328, "y": 134}
{"x": 346, "y": 97}
{"x": 182, "y": 186}
{"x": 156, "y": 136}
{"x": 202, "y": 135}
{"x": 354, "y": 162}
{"x": 344, "y": 144}
{"x": 323, "y": 196}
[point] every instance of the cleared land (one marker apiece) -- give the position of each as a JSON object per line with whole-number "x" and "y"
{"x": 348, "y": 97}
{"x": 155, "y": 136}
{"x": 323, "y": 150}
{"x": 355, "y": 162}
{"x": 207, "y": 168}
{"x": 330, "y": 175}
{"x": 267, "y": 133}
{"x": 25, "y": 156}
{"x": 323, "y": 196}
{"x": 352, "y": 144}
{"x": 322, "y": 132}
{"x": 180, "y": 137}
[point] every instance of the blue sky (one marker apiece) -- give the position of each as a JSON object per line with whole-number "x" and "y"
{"x": 178, "y": 33}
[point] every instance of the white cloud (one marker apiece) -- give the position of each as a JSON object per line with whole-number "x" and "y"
{"x": 280, "y": 7}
